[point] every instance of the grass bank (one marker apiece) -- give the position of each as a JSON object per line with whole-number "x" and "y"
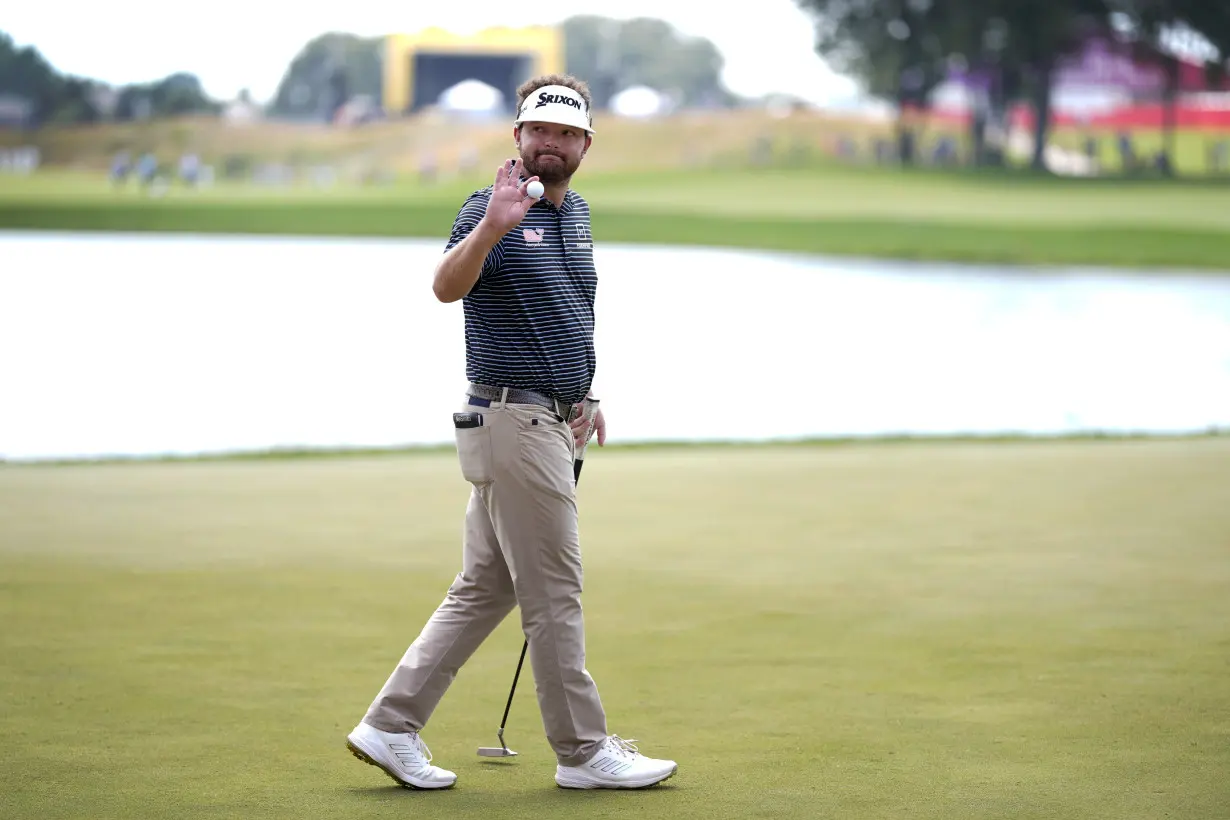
{"x": 828, "y": 210}
{"x": 957, "y": 631}
{"x": 1129, "y": 247}
{"x": 660, "y": 446}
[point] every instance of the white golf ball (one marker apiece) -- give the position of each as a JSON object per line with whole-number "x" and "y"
{"x": 535, "y": 189}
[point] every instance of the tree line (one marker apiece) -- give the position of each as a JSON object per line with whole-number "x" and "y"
{"x": 610, "y": 54}
{"x": 902, "y": 49}
{"x": 52, "y": 97}
{"x": 899, "y": 49}
{"x": 335, "y": 67}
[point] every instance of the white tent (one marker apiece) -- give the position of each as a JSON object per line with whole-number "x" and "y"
{"x": 472, "y": 96}
{"x": 639, "y": 101}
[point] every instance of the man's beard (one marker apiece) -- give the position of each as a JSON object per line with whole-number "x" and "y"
{"x": 552, "y": 170}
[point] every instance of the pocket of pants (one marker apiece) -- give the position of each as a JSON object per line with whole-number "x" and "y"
{"x": 531, "y": 417}
{"x": 474, "y": 454}
{"x": 545, "y": 450}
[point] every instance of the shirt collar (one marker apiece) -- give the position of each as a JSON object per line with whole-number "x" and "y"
{"x": 550, "y": 206}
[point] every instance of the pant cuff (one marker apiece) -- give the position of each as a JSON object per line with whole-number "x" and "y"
{"x": 399, "y": 728}
{"x": 583, "y": 757}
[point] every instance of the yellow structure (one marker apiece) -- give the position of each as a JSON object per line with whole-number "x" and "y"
{"x": 541, "y": 47}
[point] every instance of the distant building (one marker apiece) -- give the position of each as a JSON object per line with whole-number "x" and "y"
{"x": 16, "y": 111}
{"x": 356, "y": 110}
{"x": 1102, "y": 75}
{"x": 105, "y": 100}
{"x": 241, "y": 112}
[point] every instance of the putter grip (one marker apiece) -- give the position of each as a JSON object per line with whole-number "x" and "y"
{"x": 591, "y": 410}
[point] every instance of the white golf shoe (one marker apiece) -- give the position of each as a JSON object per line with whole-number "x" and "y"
{"x": 618, "y": 765}
{"x": 403, "y": 757}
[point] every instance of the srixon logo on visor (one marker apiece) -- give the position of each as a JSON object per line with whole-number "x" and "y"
{"x": 562, "y": 99}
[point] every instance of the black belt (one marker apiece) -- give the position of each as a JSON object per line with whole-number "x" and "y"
{"x": 482, "y": 395}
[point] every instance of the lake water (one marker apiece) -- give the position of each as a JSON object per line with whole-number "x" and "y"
{"x": 145, "y": 344}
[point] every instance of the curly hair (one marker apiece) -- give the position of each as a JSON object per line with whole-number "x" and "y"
{"x": 566, "y": 80}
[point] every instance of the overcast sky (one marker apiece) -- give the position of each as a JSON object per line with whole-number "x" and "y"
{"x": 232, "y": 45}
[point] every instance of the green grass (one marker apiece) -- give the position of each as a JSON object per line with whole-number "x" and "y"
{"x": 1029, "y": 630}
{"x": 1005, "y": 218}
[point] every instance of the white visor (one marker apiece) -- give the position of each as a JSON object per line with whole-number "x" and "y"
{"x": 557, "y": 104}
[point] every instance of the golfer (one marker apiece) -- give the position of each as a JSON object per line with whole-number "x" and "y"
{"x": 524, "y": 270}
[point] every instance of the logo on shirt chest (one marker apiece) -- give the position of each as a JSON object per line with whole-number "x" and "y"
{"x": 584, "y": 239}
{"x": 533, "y": 236}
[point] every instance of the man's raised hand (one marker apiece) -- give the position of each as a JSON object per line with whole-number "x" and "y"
{"x": 509, "y": 201}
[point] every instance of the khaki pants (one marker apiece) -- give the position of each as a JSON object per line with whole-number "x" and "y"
{"x": 522, "y": 548}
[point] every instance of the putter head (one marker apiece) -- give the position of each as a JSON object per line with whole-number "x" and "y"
{"x": 495, "y": 751}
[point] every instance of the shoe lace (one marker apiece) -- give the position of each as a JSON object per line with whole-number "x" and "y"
{"x": 624, "y": 747}
{"x": 418, "y": 745}
{"x": 422, "y": 746}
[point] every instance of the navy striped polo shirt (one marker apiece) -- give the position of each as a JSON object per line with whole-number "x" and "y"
{"x": 529, "y": 319}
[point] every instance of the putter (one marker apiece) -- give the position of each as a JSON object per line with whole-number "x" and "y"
{"x": 591, "y": 409}
{"x": 502, "y": 750}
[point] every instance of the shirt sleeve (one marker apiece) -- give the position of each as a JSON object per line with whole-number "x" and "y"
{"x": 471, "y": 213}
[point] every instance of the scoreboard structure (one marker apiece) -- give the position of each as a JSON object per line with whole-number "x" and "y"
{"x": 419, "y": 67}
